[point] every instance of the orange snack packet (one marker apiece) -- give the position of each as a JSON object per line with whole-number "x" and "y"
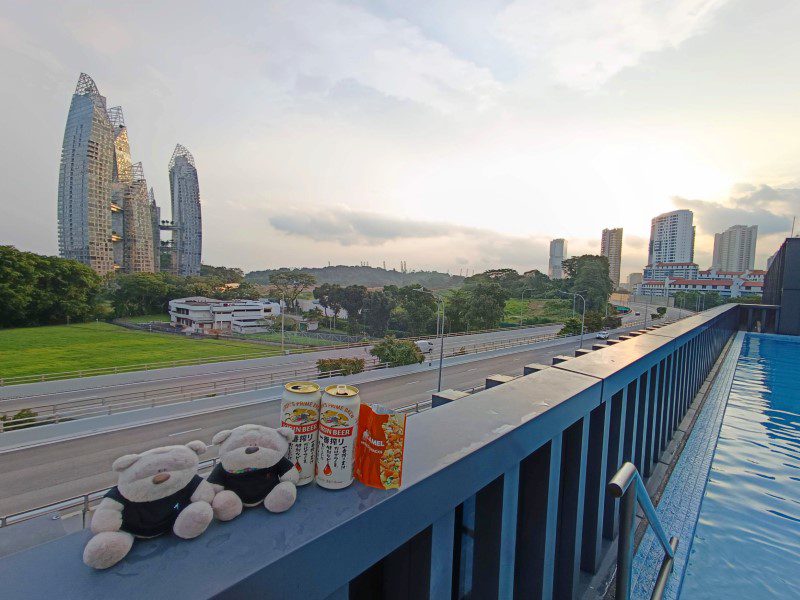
{"x": 379, "y": 448}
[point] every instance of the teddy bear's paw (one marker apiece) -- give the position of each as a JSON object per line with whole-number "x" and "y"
{"x": 226, "y": 505}
{"x": 281, "y": 497}
{"x": 107, "y": 548}
{"x": 193, "y": 520}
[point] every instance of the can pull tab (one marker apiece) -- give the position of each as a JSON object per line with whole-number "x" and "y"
{"x": 341, "y": 390}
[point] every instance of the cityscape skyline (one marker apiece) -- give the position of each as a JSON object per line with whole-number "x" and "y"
{"x": 383, "y": 171}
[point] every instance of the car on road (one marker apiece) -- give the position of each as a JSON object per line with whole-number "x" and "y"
{"x": 602, "y": 335}
{"x": 638, "y": 314}
{"x": 425, "y": 346}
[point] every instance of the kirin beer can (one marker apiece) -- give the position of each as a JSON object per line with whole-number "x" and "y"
{"x": 300, "y": 411}
{"x": 338, "y": 428}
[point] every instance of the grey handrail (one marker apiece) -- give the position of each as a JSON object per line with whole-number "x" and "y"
{"x": 628, "y": 485}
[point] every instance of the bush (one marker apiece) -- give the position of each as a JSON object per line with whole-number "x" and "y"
{"x": 343, "y": 366}
{"x": 24, "y": 418}
{"x": 610, "y": 322}
{"x": 662, "y": 310}
{"x": 572, "y": 326}
{"x": 397, "y": 352}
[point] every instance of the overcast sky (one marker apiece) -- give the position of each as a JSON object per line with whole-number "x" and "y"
{"x": 454, "y": 135}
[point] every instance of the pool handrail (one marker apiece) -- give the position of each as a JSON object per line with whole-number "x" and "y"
{"x": 628, "y": 485}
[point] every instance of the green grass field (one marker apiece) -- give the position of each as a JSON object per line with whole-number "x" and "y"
{"x": 148, "y": 318}
{"x": 539, "y": 311}
{"x": 35, "y": 350}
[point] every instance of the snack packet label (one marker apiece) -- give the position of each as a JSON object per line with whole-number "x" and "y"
{"x": 379, "y": 449}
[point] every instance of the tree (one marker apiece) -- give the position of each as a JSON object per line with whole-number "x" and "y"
{"x": 352, "y": 300}
{"x": 486, "y": 305}
{"x": 572, "y": 326}
{"x": 456, "y": 309}
{"x": 377, "y": 309}
{"x": 290, "y": 284}
{"x": 588, "y": 275}
{"x": 330, "y": 298}
{"x": 224, "y": 274}
{"x": 39, "y": 290}
{"x": 397, "y": 352}
{"x": 420, "y": 309}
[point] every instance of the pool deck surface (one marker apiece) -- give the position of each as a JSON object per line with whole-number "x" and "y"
{"x": 680, "y": 503}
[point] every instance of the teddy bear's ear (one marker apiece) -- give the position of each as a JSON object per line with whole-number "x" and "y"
{"x": 196, "y": 446}
{"x": 221, "y": 437}
{"x": 123, "y": 462}
{"x": 286, "y": 432}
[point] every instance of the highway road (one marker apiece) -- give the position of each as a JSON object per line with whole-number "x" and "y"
{"x": 41, "y": 475}
{"x": 138, "y": 384}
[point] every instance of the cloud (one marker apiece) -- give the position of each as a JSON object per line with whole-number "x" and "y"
{"x": 315, "y": 45}
{"x": 769, "y": 208}
{"x": 349, "y": 227}
{"x": 585, "y": 43}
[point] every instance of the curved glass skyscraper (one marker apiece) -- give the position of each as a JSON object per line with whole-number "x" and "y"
{"x": 85, "y": 179}
{"x": 105, "y": 215}
{"x": 188, "y": 232}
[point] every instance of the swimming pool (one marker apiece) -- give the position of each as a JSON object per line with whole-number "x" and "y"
{"x": 747, "y": 541}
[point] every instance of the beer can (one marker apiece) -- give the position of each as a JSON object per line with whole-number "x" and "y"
{"x": 300, "y": 411}
{"x": 338, "y": 428}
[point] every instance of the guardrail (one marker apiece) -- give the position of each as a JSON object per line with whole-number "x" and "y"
{"x": 109, "y": 404}
{"x": 503, "y": 495}
{"x": 42, "y": 377}
{"x": 101, "y": 405}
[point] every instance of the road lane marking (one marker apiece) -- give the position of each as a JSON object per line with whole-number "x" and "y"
{"x": 472, "y": 369}
{"x": 412, "y": 382}
{"x": 182, "y": 432}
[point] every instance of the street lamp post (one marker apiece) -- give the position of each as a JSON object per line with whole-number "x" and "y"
{"x": 522, "y": 299}
{"x": 283, "y": 312}
{"x": 439, "y": 307}
{"x": 583, "y": 314}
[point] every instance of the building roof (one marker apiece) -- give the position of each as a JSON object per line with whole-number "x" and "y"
{"x": 674, "y": 264}
{"x": 723, "y": 282}
{"x": 753, "y": 284}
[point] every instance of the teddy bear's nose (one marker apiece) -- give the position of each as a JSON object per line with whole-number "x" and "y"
{"x": 160, "y": 478}
{"x": 251, "y": 450}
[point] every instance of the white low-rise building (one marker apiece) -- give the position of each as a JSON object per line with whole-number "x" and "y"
{"x": 209, "y": 315}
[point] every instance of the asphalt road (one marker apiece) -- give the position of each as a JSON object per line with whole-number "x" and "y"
{"x": 138, "y": 384}
{"x": 37, "y": 476}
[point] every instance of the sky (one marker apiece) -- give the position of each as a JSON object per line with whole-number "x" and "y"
{"x": 456, "y": 135}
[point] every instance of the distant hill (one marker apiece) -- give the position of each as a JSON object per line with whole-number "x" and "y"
{"x": 372, "y": 277}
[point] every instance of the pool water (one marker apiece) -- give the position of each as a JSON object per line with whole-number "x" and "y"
{"x": 747, "y": 542}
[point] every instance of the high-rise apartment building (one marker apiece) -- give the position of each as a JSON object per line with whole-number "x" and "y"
{"x": 558, "y": 252}
{"x": 672, "y": 238}
{"x": 611, "y": 248}
{"x": 84, "y": 180}
{"x": 185, "y": 191}
{"x": 104, "y": 213}
{"x": 735, "y": 248}
{"x": 155, "y": 224}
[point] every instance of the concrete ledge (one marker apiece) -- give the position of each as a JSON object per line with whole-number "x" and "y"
{"x": 582, "y": 351}
{"x": 498, "y": 379}
{"x": 446, "y": 396}
{"x": 534, "y": 368}
{"x": 561, "y": 358}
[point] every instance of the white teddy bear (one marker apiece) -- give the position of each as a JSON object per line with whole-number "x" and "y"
{"x": 253, "y": 468}
{"x": 157, "y": 491}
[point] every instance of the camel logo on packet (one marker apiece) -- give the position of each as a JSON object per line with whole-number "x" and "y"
{"x": 380, "y": 448}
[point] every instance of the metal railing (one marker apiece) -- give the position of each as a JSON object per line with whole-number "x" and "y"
{"x": 628, "y": 485}
{"x": 504, "y": 494}
{"x": 110, "y": 404}
{"x": 188, "y": 362}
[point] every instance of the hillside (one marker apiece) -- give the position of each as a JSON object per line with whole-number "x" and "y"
{"x": 372, "y": 277}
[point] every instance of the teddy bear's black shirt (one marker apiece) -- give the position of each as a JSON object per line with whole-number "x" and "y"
{"x": 149, "y": 519}
{"x": 251, "y": 486}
